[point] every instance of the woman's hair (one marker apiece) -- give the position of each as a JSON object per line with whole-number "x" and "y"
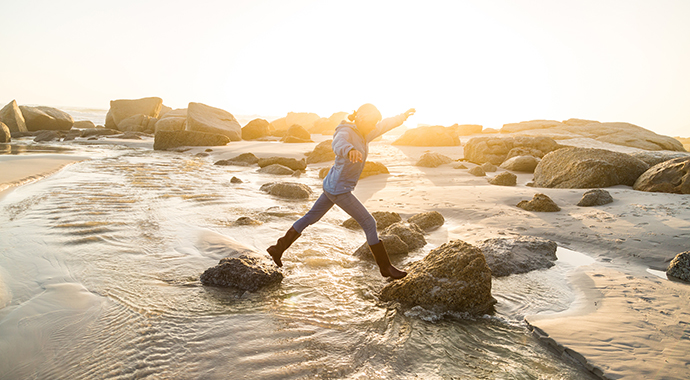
{"x": 352, "y": 116}
{"x": 368, "y": 109}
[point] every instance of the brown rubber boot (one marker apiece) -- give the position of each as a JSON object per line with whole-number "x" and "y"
{"x": 276, "y": 251}
{"x": 384, "y": 263}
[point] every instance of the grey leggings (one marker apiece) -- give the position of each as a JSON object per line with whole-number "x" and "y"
{"x": 350, "y": 204}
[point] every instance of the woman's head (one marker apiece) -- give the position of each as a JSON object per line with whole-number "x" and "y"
{"x": 366, "y": 117}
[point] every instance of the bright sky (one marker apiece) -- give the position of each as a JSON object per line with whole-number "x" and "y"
{"x": 484, "y": 62}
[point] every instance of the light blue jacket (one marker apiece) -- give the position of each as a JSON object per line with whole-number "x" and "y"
{"x": 343, "y": 176}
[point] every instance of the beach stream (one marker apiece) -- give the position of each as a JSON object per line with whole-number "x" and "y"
{"x": 100, "y": 268}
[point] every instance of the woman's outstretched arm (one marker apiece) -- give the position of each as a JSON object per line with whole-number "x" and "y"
{"x": 389, "y": 123}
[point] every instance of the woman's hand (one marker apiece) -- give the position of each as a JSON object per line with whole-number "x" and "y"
{"x": 354, "y": 155}
{"x": 409, "y": 113}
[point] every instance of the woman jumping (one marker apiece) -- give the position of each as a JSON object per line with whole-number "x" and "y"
{"x": 351, "y": 146}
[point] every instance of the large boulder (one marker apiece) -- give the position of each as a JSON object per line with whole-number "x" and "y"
{"x": 291, "y": 163}
{"x": 432, "y": 160}
{"x": 297, "y": 134}
{"x": 383, "y": 220}
{"x": 680, "y": 266}
{"x": 12, "y": 116}
{"x": 138, "y": 123}
{"x": 651, "y": 157}
{"x": 525, "y": 164}
{"x": 291, "y": 190}
{"x": 452, "y": 277}
{"x": 248, "y": 271}
{"x": 410, "y": 233}
{"x": 5, "y": 134}
{"x": 394, "y": 247}
{"x": 326, "y": 126}
{"x": 203, "y": 118}
{"x": 173, "y": 120}
{"x": 506, "y": 256}
{"x": 427, "y": 221}
{"x": 172, "y": 139}
{"x": 595, "y": 197}
{"x": 323, "y": 152}
{"x": 586, "y": 168}
{"x": 84, "y": 124}
{"x": 46, "y": 118}
{"x": 539, "y": 203}
{"x": 667, "y": 177}
{"x": 495, "y": 149}
{"x": 123, "y": 108}
{"x": 428, "y": 136}
{"x": 256, "y": 129}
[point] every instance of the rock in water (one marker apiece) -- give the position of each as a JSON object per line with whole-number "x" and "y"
{"x": 276, "y": 169}
{"x": 539, "y": 203}
{"x": 123, "y": 108}
{"x": 244, "y": 159}
{"x": 247, "y": 272}
{"x": 203, "y": 118}
{"x": 290, "y": 190}
{"x": 410, "y": 233}
{"x": 586, "y": 168}
{"x": 452, "y": 277}
{"x": 172, "y": 139}
{"x": 383, "y": 220}
{"x": 256, "y": 129}
{"x": 323, "y": 152}
{"x": 291, "y": 163}
{"x": 595, "y": 197}
{"x": 504, "y": 179}
{"x": 394, "y": 246}
{"x": 47, "y": 135}
{"x": 680, "y": 266}
{"x": 428, "y": 221}
{"x": 5, "y": 134}
{"x": 506, "y": 256}
{"x": 525, "y": 164}
{"x": 432, "y": 160}
{"x": 12, "y": 116}
{"x": 46, "y": 118}
{"x": 671, "y": 176}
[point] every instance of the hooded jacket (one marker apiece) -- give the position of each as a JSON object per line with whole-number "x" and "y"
{"x": 344, "y": 175}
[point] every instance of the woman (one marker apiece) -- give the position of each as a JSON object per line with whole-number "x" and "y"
{"x": 351, "y": 147}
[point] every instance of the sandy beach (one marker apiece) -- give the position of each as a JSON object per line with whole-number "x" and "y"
{"x": 24, "y": 169}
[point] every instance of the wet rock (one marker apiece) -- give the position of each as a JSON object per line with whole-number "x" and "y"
{"x": 323, "y": 152}
{"x": 244, "y": 159}
{"x": 123, "y": 108}
{"x": 130, "y": 135}
{"x": 586, "y": 168}
{"x": 383, "y": 220}
{"x": 488, "y": 167}
{"x": 428, "y": 221}
{"x": 432, "y": 160}
{"x": 276, "y": 169}
{"x": 46, "y": 118}
{"x": 45, "y": 136}
{"x": 394, "y": 246}
{"x": 256, "y": 129}
{"x": 680, "y": 266}
{"x": 297, "y": 134}
{"x": 506, "y": 256}
{"x": 504, "y": 179}
{"x": 138, "y": 123}
{"x": 84, "y": 124}
{"x": 235, "y": 180}
{"x": 203, "y": 118}
{"x": 247, "y": 272}
{"x": 291, "y": 190}
{"x": 99, "y": 132}
{"x": 291, "y": 163}
{"x": 525, "y": 164}
{"x": 172, "y": 139}
{"x": 5, "y": 134}
{"x": 595, "y": 197}
{"x": 246, "y": 221}
{"x": 539, "y": 203}
{"x": 428, "y": 136}
{"x": 410, "y": 233}
{"x": 656, "y": 157}
{"x": 495, "y": 149}
{"x": 12, "y": 116}
{"x": 452, "y": 277}
{"x": 477, "y": 171}
{"x": 671, "y": 176}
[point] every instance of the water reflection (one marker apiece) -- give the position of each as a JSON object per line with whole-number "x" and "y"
{"x": 28, "y": 149}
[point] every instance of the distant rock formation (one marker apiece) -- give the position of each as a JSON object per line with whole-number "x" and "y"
{"x": 249, "y": 272}
{"x": 172, "y": 139}
{"x": 595, "y": 197}
{"x": 256, "y": 129}
{"x": 46, "y": 118}
{"x": 291, "y": 190}
{"x": 297, "y": 134}
{"x": 671, "y": 176}
{"x": 428, "y": 136}
{"x": 506, "y": 256}
{"x": 323, "y": 152}
{"x": 539, "y": 203}
{"x": 5, "y": 134}
{"x": 586, "y": 168}
{"x": 452, "y": 277}
{"x": 432, "y": 160}
{"x": 496, "y": 149}
{"x": 427, "y": 221}
{"x": 680, "y": 266}
{"x": 504, "y": 179}
{"x": 203, "y": 118}
{"x": 12, "y": 116}
{"x": 123, "y": 108}
{"x": 326, "y": 126}
{"x": 291, "y": 163}
{"x": 383, "y": 220}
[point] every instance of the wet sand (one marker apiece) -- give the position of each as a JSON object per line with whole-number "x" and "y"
{"x": 17, "y": 170}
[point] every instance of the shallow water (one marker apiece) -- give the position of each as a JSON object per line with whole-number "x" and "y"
{"x": 99, "y": 268}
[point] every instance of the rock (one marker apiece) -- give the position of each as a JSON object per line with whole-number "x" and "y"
{"x": 525, "y": 164}
{"x": 323, "y": 152}
{"x": 652, "y": 158}
{"x": 428, "y": 136}
{"x": 48, "y": 135}
{"x": 477, "y": 171}
{"x": 256, "y": 129}
{"x": 304, "y": 119}
{"x": 504, "y": 179}
{"x": 246, "y": 221}
{"x": 495, "y": 149}
{"x": 291, "y": 190}
{"x": 680, "y": 266}
{"x": 123, "y": 108}
{"x": 203, "y": 118}
{"x": 172, "y": 139}
{"x": 506, "y": 256}
{"x": 172, "y": 122}
{"x": 586, "y": 168}
{"x": 488, "y": 167}
{"x": 452, "y": 277}
{"x": 291, "y": 163}
{"x": 84, "y": 124}
{"x": 235, "y": 180}
{"x": 466, "y": 129}
{"x": 326, "y": 126}
{"x": 520, "y": 151}
{"x": 685, "y": 141}
{"x": 244, "y": 159}
{"x": 164, "y": 111}
{"x": 459, "y": 166}
{"x": 394, "y": 246}
{"x": 99, "y": 132}
{"x": 5, "y": 134}
{"x": 279, "y": 127}
{"x": 383, "y": 220}
{"x": 138, "y": 123}
{"x": 130, "y": 135}
{"x": 370, "y": 169}
{"x": 539, "y": 203}
{"x": 247, "y": 272}
{"x": 46, "y": 118}
{"x": 595, "y": 197}
{"x": 13, "y": 118}
{"x": 276, "y": 169}
{"x": 667, "y": 177}
{"x": 410, "y": 233}
{"x": 297, "y": 134}
{"x": 109, "y": 122}
{"x": 432, "y": 160}
{"x": 428, "y": 221}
